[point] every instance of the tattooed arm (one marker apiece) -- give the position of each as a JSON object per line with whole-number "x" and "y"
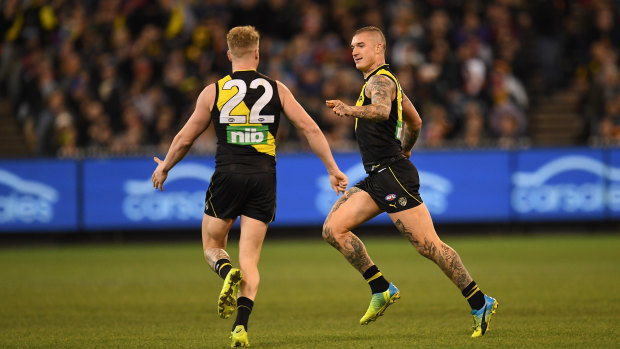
{"x": 381, "y": 91}
{"x": 412, "y": 124}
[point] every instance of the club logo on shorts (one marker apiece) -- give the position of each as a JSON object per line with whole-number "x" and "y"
{"x": 390, "y": 197}
{"x": 402, "y": 201}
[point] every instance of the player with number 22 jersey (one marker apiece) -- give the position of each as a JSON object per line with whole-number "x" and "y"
{"x": 246, "y": 116}
{"x": 245, "y": 109}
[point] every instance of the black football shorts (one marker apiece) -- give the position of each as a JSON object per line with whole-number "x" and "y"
{"x": 233, "y": 194}
{"x": 394, "y": 187}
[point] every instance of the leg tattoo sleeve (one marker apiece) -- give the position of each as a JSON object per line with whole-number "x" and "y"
{"x": 348, "y": 244}
{"x": 212, "y": 255}
{"x": 443, "y": 255}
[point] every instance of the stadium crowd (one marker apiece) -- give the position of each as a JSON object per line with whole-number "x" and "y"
{"x": 118, "y": 76}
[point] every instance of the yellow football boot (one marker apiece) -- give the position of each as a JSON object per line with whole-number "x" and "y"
{"x": 379, "y": 302}
{"x": 227, "y": 302}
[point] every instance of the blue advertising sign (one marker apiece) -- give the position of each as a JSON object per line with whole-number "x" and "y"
{"x": 455, "y": 186}
{"x": 304, "y": 194}
{"x": 38, "y": 195}
{"x": 118, "y": 193}
{"x": 612, "y": 173}
{"x": 465, "y": 186}
{"x": 559, "y": 184}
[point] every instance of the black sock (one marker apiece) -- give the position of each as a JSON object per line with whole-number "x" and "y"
{"x": 376, "y": 280}
{"x": 244, "y": 308}
{"x": 222, "y": 267}
{"x": 474, "y": 296}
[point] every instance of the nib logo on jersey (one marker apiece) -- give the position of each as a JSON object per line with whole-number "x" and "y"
{"x": 573, "y": 186}
{"x": 24, "y": 201}
{"x": 179, "y": 201}
{"x": 247, "y": 135}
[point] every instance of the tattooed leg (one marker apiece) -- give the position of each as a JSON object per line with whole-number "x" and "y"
{"x": 424, "y": 238}
{"x": 336, "y": 233}
{"x": 214, "y": 238}
{"x": 212, "y": 255}
{"x": 448, "y": 260}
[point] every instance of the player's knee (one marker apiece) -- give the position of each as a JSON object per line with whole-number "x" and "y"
{"x": 326, "y": 232}
{"x": 331, "y": 231}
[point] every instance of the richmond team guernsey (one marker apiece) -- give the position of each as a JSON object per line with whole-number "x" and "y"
{"x": 380, "y": 141}
{"x": 246, "y": 116}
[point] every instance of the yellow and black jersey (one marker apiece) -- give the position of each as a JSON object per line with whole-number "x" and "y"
{"x": 380, "y": 141}
{"x": 246, "y": 116}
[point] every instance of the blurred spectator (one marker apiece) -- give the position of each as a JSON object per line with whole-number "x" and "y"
{"x": 474, "y": 130}
{"x": 128, "y": 71}
{"x": 55, "y": 130}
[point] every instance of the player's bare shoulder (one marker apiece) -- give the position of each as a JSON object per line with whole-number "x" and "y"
{"x": 283, "y": 92}
{"x": 207, "y": 96}
{"x": 380, "y": 88}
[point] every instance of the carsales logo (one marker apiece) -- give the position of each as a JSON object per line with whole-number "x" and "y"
{"x": 533, "y": 191}
{"x": 143, "y": 202}
{"x": 26, "y": 201}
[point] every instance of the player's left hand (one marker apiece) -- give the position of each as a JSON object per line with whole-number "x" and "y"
{"x": 339, "y": 182}
{"x": 159, "y": 175}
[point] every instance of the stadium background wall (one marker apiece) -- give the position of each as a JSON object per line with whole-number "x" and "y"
{"x": 461, "y": 187}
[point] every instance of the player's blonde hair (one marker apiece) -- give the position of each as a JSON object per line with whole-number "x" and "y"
{"x": 377, "y": 31}
{"x": 242, "y": 40}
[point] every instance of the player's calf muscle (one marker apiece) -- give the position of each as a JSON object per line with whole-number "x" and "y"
{"x": 213, "y": 255}
{"x": 448, "y": 261}
{"x": 355, "y": 252}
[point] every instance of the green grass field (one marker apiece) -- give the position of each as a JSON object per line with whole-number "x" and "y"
{"x": 554, "y": 292}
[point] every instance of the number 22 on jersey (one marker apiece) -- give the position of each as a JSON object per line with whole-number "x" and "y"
{"x": 244, "y": 126}
{"x": 226, "y": 116}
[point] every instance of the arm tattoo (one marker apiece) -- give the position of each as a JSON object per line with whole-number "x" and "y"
{"x": 409, "y": 138}
{"x": 381, "y": 89}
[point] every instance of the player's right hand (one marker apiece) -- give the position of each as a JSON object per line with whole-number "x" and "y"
{"x": 330, "y": 103}
{"x": 338, "y": 107}
{"x": 339, "y": 182}
{"x": 159, "y": 175}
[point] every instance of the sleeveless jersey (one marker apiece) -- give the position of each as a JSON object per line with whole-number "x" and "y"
{"x": 246, "y": 116}
{"x": 380, "y": 141}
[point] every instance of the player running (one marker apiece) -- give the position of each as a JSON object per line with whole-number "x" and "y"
{"x": 380, "y": 113}
{"x": 245, "y": 108}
